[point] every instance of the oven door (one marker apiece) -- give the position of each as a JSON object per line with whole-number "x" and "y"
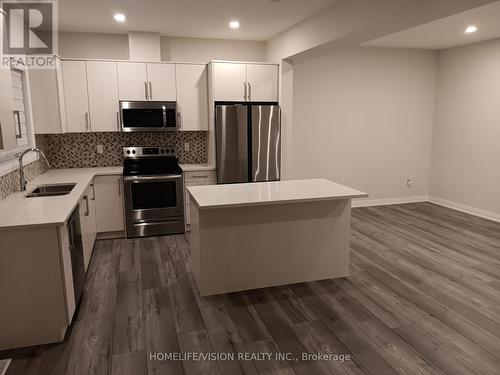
{"x": 153, "y": 197}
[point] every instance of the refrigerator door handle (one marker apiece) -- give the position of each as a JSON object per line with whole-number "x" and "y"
{"x": 245, "y": 94}
{"x": 249, "y": 92}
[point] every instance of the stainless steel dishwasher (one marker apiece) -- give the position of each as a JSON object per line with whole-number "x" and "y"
{"x": 76, "y": 251}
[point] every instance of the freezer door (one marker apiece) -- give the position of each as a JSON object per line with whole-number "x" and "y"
{"x": 231, "y": 125}
{"x": 266, "y": 143}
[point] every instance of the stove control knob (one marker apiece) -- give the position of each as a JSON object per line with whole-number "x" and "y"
{"x": 128, "y": 152}
{"x": 162, "y": 151}
{"x": 133, "y": 152}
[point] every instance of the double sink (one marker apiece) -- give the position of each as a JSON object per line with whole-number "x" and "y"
{"x": 51, "y": 190}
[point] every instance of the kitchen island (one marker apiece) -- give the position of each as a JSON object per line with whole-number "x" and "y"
{"x": 256, "y": 235}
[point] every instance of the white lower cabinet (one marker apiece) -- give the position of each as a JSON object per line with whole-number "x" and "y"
{"x": 109, "y": 203}
{"x": 88, "y": 223}
{"x": 197, "y": 178}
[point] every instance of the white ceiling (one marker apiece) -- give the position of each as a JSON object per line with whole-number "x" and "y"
{"x": 447, "y": 32}
{"x": 259, "y": 19}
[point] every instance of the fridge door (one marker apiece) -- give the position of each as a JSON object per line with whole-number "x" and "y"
{"x": 231, "y": 126}
{"x": 266, "y": 143}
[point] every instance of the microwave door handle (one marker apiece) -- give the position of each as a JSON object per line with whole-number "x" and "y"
{"x": 164, "y": 109}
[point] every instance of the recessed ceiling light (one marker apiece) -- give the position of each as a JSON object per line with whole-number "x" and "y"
{"x": 470, "y": 29}
{"x": 119, "y": 17}
{"x": 234, "y": 24}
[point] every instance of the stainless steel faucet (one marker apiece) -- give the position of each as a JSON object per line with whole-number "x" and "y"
{"x": 22, "y": 180}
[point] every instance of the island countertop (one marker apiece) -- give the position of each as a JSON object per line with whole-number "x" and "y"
{"x": 265, "y": 193}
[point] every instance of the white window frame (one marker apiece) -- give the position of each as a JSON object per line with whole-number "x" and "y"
{"x": 8, "y": 159}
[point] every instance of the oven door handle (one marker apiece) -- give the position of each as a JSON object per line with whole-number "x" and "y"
{"x": 152, "y": 178}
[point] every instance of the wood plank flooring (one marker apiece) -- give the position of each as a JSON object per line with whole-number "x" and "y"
{"x": 423, "y": 297}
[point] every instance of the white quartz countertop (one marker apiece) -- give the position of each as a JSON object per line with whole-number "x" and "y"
{"x": 276, "y": 192}
{"x": 197, "y": 167}
{"x": 18, "y": 211}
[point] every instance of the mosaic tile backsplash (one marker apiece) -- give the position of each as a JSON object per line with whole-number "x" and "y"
{"x": 79, "y": 150}
{"x": 9, "y": 183}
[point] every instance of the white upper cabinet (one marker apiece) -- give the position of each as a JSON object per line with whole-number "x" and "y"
{"x": 146, "y": 81}
{"x": 132, "y": 81}
{"x": 161, "y": 82}
{"x": 192, "y": 99}
{"x": 7, "y": 130}
{"x": 76, "y": 97}
{"x": 229, "y": 82}
{"x": 233, "y": 81}
{"x": 102, "y": 82}
{"x": 262, "y": 82}
{"x": 47, "y": 100}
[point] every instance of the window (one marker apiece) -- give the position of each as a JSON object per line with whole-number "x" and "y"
{"x": 16, "y": 132}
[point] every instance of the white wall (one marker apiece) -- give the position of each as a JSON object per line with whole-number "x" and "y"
{"x": 363, "y": 117}
{"x": 115, "y": 46}
{"x": 466, "y": 141}
{"x": 204, "y": 50}
{"x": 93, "y": 45}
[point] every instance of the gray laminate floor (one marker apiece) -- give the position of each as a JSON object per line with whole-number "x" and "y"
{"x": 423, "y": 297}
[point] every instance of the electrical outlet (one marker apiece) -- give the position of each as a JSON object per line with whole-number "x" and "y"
{"x": 409, "y": 182}
{"x": 100, "y": 149}
{"x": 186, "y": 146}
{"x": 444, "y": 184}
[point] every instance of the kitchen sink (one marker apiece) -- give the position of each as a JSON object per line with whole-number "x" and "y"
{"x": 51, "y": 190}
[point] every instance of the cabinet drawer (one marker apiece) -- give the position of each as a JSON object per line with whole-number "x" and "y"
{"x": 199, "y": 175}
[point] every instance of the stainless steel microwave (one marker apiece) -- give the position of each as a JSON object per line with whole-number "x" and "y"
{"x": 147, "y": 116}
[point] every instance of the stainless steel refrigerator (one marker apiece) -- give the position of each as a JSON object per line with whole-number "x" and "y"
{"x": 248, "y": 142}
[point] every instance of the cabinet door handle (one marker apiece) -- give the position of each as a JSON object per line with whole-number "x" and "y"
{"x": 150, "y": 90}
{"x": 146, "y": 90}
{"x": 249, "y": 92}
{"x": 87, "y": 121}
{"x": 118, "y": 121}
{"x": 245, "y": 94}
{"x": 179, "y": 117}
{"x": 93, "y": 191}
{"x": 86, "y": 199}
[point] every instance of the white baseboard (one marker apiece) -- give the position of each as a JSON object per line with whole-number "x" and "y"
{"x": 467, "y": 209}
{"x": 388, "y": 201}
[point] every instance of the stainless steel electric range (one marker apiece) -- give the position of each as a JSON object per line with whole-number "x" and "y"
{"x": 153, "y": 191}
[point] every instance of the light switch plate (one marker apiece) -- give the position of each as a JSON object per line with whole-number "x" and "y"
{"x": 186, "y": 146}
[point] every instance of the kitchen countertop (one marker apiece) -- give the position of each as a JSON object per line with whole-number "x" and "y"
{"x": 265, "y": 193}
{"x": 18, "y": 211}
{"x": 197, "y": 167}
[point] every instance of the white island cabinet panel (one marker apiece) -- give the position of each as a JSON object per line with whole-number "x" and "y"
{"x": 247, "y": 236}
{"x": 103, "y": 95}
